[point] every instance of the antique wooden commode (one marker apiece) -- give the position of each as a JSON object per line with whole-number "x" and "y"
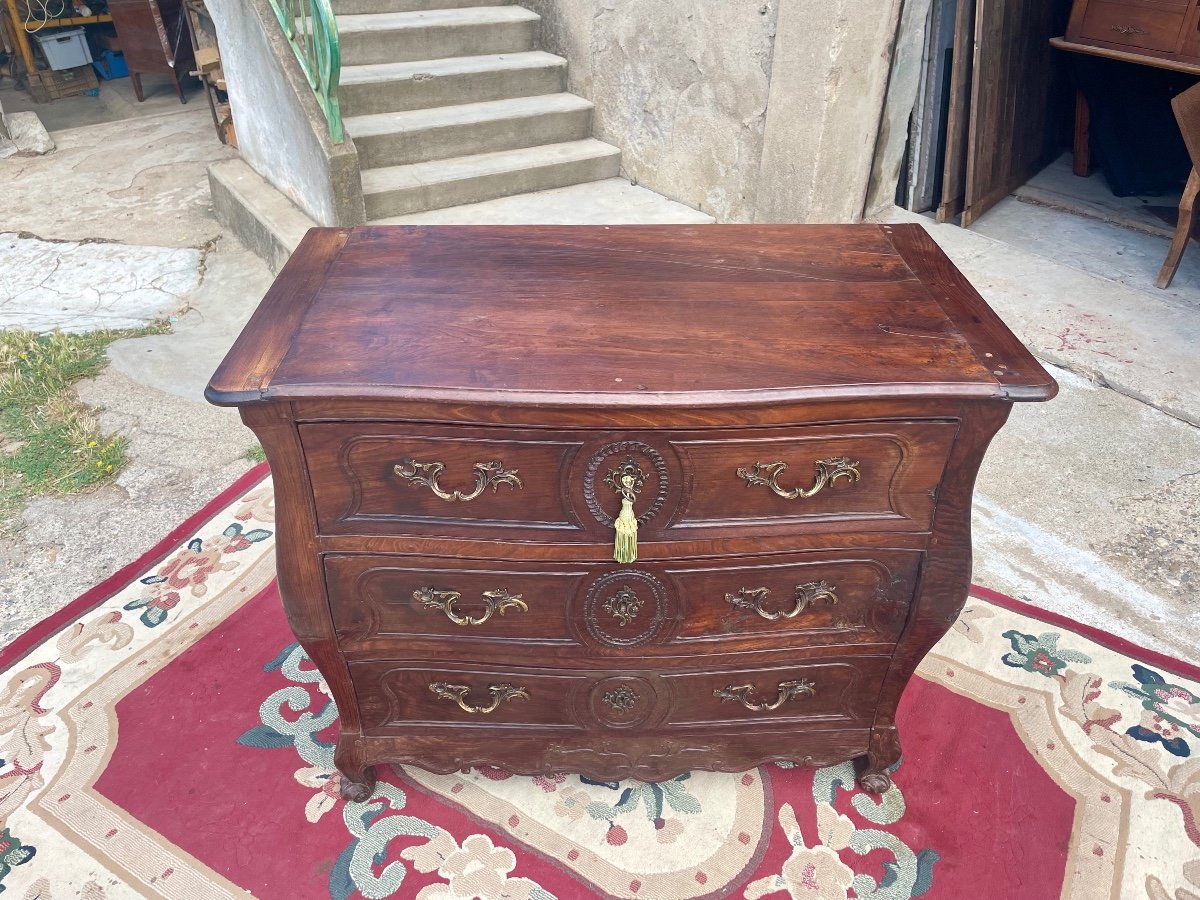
{"x": 623, "y": 501}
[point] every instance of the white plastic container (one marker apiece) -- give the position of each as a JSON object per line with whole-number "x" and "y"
{"x": 64, "y": 48}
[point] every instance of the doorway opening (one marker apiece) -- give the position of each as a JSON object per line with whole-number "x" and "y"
{"x": 1049, "y": 125}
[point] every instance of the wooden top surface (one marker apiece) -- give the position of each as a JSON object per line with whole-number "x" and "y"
{"x": 1126, "y": 55}
{"x": 624, "y": 316}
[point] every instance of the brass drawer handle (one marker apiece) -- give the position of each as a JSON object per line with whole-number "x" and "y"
{"x": 828, "y": 471}
{"x": 497, "y": 601}
{"x": 806, "y": 595}
{"x": 487, "y": 474}
{"x": 1128, "y": 29}
{"x": 457, "y": 693}
{"x": 788, "y": 690}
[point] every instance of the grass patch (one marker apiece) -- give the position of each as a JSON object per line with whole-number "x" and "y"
{"x": 256, "y": 454}
{"x": 50, "y": 442}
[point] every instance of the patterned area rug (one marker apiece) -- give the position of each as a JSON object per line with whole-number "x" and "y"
{"x": 164, "y": 736}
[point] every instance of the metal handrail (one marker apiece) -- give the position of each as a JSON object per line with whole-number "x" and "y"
{"x": 311, "y": 29}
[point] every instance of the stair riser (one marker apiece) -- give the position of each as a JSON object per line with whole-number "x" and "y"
{"x": 449, "y": 90}
{"x": 355, "y": 7}
{"x": 362, "y": 48}
{"x": 490, "y": 187}
{"x": 475, "y": 137}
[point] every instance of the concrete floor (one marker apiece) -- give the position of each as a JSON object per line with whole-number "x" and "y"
{"x": 1087, "y": 505}
{"x": 115, "y": 102}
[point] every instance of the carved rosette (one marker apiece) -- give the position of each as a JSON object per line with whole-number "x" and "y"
{"x": 625, "y": 608}
{"x": 621, "y": 701}
{"x": 601, "y": 479}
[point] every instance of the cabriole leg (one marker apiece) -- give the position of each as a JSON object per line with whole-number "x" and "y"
{"x": 358, "y": 778}
{"x": 883, "y": 753}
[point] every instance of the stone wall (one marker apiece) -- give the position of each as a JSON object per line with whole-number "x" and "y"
{"x": 750, "y": 110}
{"x": 680, "y": 86}
{"x": 281, "y": 130}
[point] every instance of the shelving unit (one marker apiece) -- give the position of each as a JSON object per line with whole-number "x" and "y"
{"x": 24, "y": 48}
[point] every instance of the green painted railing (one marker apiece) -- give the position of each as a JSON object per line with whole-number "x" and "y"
{"x": 312, "y": 31}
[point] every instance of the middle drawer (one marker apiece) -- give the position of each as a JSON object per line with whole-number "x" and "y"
{"x": 660, "y": 609}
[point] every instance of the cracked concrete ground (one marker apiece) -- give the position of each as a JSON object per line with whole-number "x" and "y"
{"x": 85, "y": 286}
{"x": 1086, "y": 505}
{"x": 140, "y": 188}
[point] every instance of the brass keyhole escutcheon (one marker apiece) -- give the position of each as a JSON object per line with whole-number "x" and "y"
{"x": 627, "y": 480}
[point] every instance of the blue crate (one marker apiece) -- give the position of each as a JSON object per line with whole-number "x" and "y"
{"x": 111, "y": 65}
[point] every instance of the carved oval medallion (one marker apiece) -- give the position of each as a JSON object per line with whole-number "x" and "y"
{"x": 621, "y": 701}
{"x": 626, "y": 608}
{"x": 647, "y": 468}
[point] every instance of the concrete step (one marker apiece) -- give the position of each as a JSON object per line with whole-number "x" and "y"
{"x": 399, "y": 138}
{"x": 393, "y": 87}
{"x": 435, "y": 34}
{"x": 399, "y": 190}
{"x": 359, "y": 7}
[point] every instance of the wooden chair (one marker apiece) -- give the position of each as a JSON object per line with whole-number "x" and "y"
{"x": 1187, "y": 113}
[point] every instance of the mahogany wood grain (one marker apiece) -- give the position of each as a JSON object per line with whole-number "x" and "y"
{"x": 561, "y": 494}
{"x": 557, "y": 354}
{"x": 596, "y": 335}
{"x": 378, "y": 603}
{"x": 398, "y": 696}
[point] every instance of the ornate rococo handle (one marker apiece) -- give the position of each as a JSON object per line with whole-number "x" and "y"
{"x": 457, "y": 693}
{"x": 828, "y": 471}
{"x": 806, "y": 595}
{"x": 1127, "y": 29}
{"x": 788, "y": 690}
{"x": 497, "y": 601}
{"x": 487, "y": 474}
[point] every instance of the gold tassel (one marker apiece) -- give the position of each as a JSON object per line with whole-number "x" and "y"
{"x": 625, "y": 550}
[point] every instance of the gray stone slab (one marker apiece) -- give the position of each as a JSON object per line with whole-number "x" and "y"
{"x": 28, "y": 134}
{"x": 75, "y": 286}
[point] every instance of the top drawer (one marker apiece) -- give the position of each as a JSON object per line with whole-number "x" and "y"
{"x": 501, "y": 484}
{"x": 1133, "y": 25}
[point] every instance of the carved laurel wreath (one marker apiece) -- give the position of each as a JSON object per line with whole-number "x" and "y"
{"x": 624, "y": 447}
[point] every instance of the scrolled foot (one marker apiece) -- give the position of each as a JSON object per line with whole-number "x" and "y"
{"x": 360, "y": 790}
{"x": 875, "y": 782}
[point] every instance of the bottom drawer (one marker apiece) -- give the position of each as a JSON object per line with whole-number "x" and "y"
{"x": 397, "y": 695}
{"x": 612, "y": 757}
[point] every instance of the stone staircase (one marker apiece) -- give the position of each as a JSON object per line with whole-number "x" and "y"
{"x": 448, "y": 103}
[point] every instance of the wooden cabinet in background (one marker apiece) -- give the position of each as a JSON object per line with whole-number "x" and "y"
{"x": 154, "y": 40}
{"x": 1168, "y": 29}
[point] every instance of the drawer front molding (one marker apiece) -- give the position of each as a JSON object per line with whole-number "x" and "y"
{"x": 565, "y": 611}
{"x": 402, "y": 696}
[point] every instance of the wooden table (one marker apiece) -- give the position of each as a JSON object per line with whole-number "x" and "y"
{"x": 1081, "y": 164}
{"x": 624, "y": 501}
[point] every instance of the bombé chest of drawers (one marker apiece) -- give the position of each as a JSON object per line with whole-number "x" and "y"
{"x": 622, "y": 501}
